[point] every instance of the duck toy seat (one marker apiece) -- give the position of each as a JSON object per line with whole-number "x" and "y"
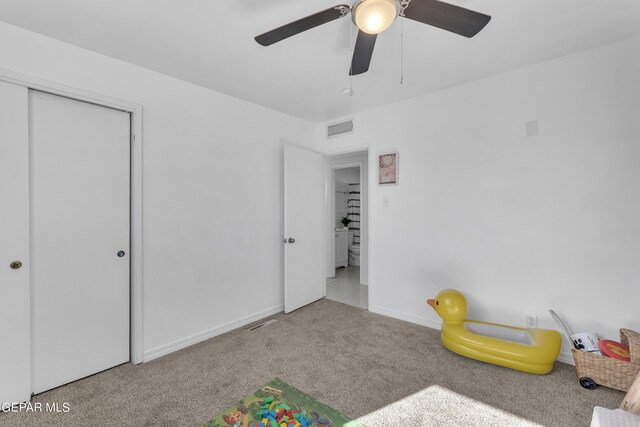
{"x": 529, "y": 350}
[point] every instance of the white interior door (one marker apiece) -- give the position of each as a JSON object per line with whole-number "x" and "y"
{"x": 303, "y": 227}
{"x": 80, "y": 172}
{"x": 15, "y": 382}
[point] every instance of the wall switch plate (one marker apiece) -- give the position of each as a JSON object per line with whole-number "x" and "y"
{"x": 532, "y": 321}
{"x": 531, "y": 128}
{"x": 385, "y": 201}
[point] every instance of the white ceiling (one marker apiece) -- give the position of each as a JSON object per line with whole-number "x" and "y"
{"x": 210, "y": 43}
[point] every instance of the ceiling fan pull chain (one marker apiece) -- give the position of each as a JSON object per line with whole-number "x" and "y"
{"x": 402, "y": 50}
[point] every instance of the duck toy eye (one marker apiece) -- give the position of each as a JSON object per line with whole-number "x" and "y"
{"x": 437, "y": 302}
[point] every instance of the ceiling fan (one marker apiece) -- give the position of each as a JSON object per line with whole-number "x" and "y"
{"x": 374, "y": 16}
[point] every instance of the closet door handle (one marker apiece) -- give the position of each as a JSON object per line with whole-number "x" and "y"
{"x": 291, "y": 240}
{"x": 15, "y": 265}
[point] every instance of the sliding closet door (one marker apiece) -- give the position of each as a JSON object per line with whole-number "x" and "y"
{"x": 15, "y": 380}
{"x": 79, "y": 171}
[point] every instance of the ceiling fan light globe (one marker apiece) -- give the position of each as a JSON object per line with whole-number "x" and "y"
{"x": 375, "y": 16}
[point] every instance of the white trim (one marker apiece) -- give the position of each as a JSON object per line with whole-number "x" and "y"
{"x": 137, "y": 331}
{"x": 136, "y": 279}
{"x": 68, "y": 91}
{"x": 330, "y": 204}
{"x": 331, "y": 211}
{"x": 350, "y": 150}
{"x": 329, "y": 221}
{"x": 566, "y": 357}
{"x": 433, "y": 324}
{"x": 326, "y": 261}
{"x": 210, "y": 333}
{"x": 364, "y": 178}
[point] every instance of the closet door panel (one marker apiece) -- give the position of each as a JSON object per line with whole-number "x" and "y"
{"x": 15, "y": 382}
{"x": 80, "y": 176}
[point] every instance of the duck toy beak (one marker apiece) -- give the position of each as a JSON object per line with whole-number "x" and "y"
{"x": 432, "y": 303}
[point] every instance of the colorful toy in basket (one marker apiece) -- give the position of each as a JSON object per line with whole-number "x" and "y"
{"x": 529, "y": 350}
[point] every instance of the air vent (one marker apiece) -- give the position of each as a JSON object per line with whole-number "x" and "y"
{"x": 261, "y": 325}
{"x": 339, "y": 129}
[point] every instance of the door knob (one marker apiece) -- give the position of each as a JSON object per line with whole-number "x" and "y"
{"x": 291, "y": 240}
{"x": 120, "y": 254}
{"x": 15, "y": 265}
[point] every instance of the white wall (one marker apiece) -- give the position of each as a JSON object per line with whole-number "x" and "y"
{"x": 344, "y": 160}
{"x": 212, "y": 184}
{"x": 520, "y": 225}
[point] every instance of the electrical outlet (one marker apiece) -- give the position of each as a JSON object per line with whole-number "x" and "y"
{"x": 532, "y": 321}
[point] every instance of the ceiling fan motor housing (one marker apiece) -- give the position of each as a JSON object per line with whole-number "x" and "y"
{"x": 374, "y": 16}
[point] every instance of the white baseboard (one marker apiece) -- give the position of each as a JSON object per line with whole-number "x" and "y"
{"x": 205, "y": 335}
{"x": 564, "y": 356}
{"x": 433, "y": 324}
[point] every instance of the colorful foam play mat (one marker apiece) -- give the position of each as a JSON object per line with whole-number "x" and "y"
{"x": 278, "y": 404}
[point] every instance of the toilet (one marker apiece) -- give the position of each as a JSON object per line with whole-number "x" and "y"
{"x": 354, "y": 251}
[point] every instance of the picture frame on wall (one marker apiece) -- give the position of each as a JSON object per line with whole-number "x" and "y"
{"x": 388, "y": 168}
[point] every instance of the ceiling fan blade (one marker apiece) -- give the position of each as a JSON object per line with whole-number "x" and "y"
{"x": 304, "y": 24}
{"x": 447, "y": 16}
{"x": 362, "y": 53}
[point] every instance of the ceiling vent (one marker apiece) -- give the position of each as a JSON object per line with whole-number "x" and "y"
{"x": 339, "y": 129}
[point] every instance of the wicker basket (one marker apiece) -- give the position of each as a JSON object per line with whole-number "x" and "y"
{"x": 596, "y": 370}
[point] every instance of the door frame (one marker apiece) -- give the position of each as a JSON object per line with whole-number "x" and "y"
{"x": 330, "y": 207}
{"x": 331, "y": 200}
{"x": 135, "y": 220}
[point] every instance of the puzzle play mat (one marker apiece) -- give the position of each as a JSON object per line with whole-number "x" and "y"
{"x": 277, "y": 404}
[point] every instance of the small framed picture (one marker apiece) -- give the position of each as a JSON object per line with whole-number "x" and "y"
{"x": 388, "y": 168}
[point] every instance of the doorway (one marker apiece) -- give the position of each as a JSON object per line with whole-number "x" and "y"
{"x": 347, "y": 223}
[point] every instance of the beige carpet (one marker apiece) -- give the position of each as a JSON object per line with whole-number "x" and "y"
{"x": 350, "y": 359}
{"x": 437, "y": 406}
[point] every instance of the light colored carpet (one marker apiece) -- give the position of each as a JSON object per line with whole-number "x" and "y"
{"x": 436, "y": 406}
{"x": 345, "y": 357}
